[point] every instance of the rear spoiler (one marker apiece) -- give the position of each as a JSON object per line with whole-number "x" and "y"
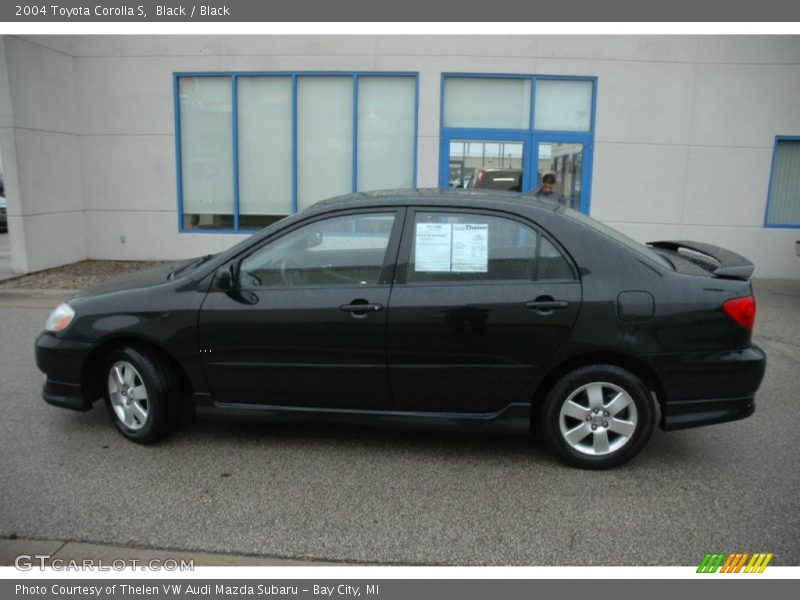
{"x": 721, "y": 262}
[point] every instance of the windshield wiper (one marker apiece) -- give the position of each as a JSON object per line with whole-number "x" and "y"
{"x": 192, "y": 265}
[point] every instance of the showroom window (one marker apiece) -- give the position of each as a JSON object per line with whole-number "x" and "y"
{"x": 255, "y": 147}
{"x": 505, "y": 132}
{"x": 783, "y": 202}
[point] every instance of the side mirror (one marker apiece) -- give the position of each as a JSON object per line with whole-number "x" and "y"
{"x": 224, "y": 278}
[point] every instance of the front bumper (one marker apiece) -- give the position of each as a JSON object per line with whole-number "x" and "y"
{"x": 62, "y": 362}
{"x": 704, "y": 388}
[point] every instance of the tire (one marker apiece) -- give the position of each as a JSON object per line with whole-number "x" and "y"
{"x": 597, "y": 417}
{"x": 142, "y": 395}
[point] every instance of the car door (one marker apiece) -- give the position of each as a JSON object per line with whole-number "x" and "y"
{"x": 481, "y": 301}
{"x": 305, "y": 323}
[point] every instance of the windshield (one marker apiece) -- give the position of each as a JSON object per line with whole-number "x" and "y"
{"x": 620, "y": 237}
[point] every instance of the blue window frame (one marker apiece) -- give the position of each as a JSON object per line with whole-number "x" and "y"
{"x": 532, "y": 139}
{"x": 783, "y": 195}
{"x": 231, "y": 222}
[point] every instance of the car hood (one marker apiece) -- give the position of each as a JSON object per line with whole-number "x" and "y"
{"x": 143, "y": 278}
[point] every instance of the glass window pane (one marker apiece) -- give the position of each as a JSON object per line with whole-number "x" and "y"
{"x": 563, "y": 105}
{"x": 348, "y": 250}
{"x": 551, "y": 263}
{"x": 265, "y": 149}
{"x": 470, "y": 247}
{"x": 487, "y": 165}
{"x": 565, "y": 162}
{"x": 485, "y": 102}
{"x": 386, "y": 132}
{"x": 324, "y": 138}
{"x": 784, "y": 200}
{"x": 206, "y": 152}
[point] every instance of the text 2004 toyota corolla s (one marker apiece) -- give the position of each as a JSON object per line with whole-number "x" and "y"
{"x": 493, "y": 311}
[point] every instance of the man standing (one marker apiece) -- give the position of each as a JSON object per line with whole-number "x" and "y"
{"x": 546, "y": 190}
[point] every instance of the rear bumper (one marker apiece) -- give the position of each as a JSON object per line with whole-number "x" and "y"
{"x": 704, "y": 388}
{"x": 696, "y": 413}
{"x": 62, "y": 363}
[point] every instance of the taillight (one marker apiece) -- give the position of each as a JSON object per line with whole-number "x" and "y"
{"x": 741, "y": 310}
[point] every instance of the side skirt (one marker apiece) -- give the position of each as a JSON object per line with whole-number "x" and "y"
{"x": 514, "y": 418}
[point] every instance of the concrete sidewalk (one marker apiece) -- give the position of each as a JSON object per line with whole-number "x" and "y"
{"x": 67, "y": 551}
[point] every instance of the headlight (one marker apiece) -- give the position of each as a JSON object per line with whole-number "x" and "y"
{"x": 60, "y": 318}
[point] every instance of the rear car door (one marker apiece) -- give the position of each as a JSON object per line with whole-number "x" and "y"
{"x": 481, "y": 301}
{"x": 305, "y": 325}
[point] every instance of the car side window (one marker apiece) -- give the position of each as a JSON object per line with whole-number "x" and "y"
{"x": 449, "y": 246}
{"x": 346, "y": 250}
{"x": 551, "y": 264}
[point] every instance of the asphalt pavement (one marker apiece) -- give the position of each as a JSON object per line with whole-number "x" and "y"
{"x": 388, "y": 496}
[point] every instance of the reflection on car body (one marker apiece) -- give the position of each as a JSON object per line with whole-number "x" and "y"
{"x": 481, "y": 310}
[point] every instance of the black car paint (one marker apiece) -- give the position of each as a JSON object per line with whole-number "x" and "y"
{"x": 413, "y": 362}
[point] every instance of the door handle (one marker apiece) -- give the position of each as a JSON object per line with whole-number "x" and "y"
{"x": 546, "y": 305}
{"x": 360, "y": 308}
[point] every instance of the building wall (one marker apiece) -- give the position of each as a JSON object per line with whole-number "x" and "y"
{"x": 684, "y": 130}
{"x": 41, "y": 153}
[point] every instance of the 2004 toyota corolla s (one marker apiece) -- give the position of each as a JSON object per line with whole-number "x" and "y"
{"x": 485, "y": 310}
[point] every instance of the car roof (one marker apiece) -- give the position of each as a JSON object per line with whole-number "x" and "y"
{"x": 483, "y": 198}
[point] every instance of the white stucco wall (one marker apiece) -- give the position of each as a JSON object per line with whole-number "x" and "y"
{"x": 684, "y": 132}
{"x": 41, "y": 152}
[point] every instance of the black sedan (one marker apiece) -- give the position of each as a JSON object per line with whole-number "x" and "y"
{"x": 487, "y": 310}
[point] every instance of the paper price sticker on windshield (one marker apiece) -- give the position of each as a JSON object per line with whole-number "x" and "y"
{"x": 432, "y": 247}
{"x": 470, "y": 248}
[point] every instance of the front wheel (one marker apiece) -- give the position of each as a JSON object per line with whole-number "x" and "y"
{"x": 142, "y": 395}
{"x": 598, "y": 417}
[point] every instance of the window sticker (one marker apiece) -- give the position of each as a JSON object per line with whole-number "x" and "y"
{"x": 432, "y": 246}
{"x": 470, "y": 248}
{"x": 452, "y": 248}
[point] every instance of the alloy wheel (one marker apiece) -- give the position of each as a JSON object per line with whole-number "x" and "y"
{"x": 598, "y": 418}
{"x": 128, "y": 395}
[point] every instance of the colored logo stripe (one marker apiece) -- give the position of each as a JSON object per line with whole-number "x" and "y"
{"x": 734, "y": 562}
{"x": 711, "y": 562}
{"x": 758, "y": 563}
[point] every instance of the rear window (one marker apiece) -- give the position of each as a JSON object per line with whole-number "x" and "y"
{"x": 637, "y": 247}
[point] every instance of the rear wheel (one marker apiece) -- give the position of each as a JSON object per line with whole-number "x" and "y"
{"x": 598, "y": 417}
{"x": 142, "y": 395}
